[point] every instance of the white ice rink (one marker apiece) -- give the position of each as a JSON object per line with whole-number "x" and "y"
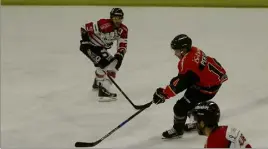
{"x": 46, "y": 97}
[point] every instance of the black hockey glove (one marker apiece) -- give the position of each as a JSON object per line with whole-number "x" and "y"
{"x": 119, "y": 56}
{"x": 84, "y": 34}
{"x": 84, "y": 42}
{"x": 159, "y": 96}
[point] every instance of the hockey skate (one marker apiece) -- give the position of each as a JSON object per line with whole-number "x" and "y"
{"x": 172, "y": 134}
{"x": 105, "y": 95}
{"x": 95, "y": 86}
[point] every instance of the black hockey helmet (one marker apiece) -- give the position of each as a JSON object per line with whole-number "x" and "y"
{"x": 181, "y": 41}
{"x": 117, "y": 12}
{"x": 208, "y": 112}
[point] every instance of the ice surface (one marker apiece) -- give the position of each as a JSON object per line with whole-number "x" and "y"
{"x": 46, "y": 97}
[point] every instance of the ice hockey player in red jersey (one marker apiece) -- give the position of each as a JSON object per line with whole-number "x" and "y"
{"x": 200, "y": 75}
{"x": 207, "y": 115}
{"x": 97, "y": 38}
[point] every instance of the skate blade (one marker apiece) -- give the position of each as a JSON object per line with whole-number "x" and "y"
{"x": 173, "y": 138}
{"x": 107, "y": 99}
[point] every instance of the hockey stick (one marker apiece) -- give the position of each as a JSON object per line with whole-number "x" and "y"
{"x": 92, "y": 144}
{"x": 135, "y": 106}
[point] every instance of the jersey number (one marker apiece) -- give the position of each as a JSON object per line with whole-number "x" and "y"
{"x": 214, "y": 70}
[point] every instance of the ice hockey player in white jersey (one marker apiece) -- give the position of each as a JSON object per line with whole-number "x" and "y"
{"x": 97, "y": 38}
{"x": 207, "y": 115}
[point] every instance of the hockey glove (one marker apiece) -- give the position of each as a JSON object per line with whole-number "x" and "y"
{"x": 84, "y": 42}
{"x": 84, "y": 34}
{"x": 119, "y": 57}
{"x": 159, "y": 96}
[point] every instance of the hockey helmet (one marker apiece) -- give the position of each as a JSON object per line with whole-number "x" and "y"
{"x": 181, "y": 41}
{"x": 208, "y": 112}
{"x": 117, "y": 12}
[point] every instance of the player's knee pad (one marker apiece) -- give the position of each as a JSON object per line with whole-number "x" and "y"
{"x": 100, "y": 75}
{"x": 102, "y": 79}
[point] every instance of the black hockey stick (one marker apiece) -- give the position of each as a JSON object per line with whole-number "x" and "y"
{"x": 135, "y": 106}
{"x": 91, "y": 144}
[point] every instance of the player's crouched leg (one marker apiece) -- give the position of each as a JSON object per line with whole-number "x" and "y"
{"x": 180, "y": 110}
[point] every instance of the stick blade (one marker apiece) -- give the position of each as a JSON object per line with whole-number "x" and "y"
{"x": 85, "y": 144}
{"x": 138, "y": 107}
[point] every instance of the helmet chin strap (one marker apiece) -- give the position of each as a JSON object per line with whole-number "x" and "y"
{"x": 200, "y": 130}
